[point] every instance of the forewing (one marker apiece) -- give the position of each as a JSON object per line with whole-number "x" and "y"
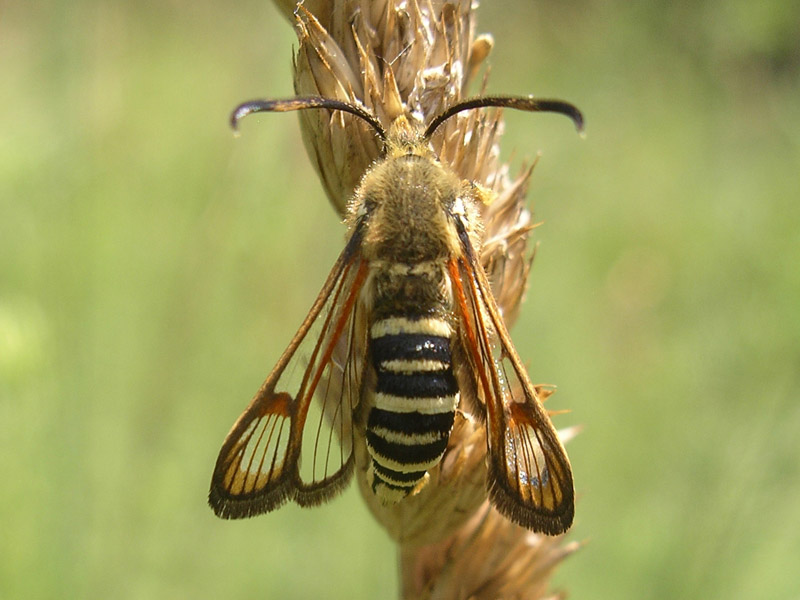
{"x": 530, "y": 478}
{"x": 303, "y": 411}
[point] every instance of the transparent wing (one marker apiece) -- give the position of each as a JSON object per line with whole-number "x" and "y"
{"x": 303, "y": 412}
{"x": 529, "y": 475}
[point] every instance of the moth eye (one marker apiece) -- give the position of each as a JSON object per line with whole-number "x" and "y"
{"x": 370, "y": 205}
{"x": 365, "y": 208}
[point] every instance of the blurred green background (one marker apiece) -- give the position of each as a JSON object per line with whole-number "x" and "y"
{"x": 152, "y": 268}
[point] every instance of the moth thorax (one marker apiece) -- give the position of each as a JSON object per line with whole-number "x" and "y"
{"x": 408, "y": 198}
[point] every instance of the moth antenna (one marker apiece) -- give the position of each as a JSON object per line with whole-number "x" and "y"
{"x": 301, "y": 103}
{"x": 526, "y": 103}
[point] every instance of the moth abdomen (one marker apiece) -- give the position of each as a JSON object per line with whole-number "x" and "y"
{"x": 414, "y": 401}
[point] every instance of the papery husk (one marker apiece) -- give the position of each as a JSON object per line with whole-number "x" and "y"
{"x": 415, "y": 58}
{"x": 487, "y": 558}
{"x": 415, "y": 61}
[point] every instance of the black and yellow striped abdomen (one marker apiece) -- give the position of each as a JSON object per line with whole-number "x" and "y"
{"x": 414, "y": 401}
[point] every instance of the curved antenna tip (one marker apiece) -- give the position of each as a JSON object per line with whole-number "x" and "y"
{"x": 565, "y": 108}
{"x": 580, "y": 124}
{"x": 244, "y": 109}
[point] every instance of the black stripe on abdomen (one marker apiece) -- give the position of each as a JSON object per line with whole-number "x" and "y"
{"x": 410, "y": 346}
{"x": 407, "y": 453}
{"x": 418, "y": 384}
{"x": 404, "y": 423}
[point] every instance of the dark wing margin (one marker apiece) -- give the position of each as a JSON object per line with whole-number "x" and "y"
{"x": 529, "y": 474}
{"x": 303, "y": 411}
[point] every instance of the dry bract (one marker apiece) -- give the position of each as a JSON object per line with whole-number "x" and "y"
{"x": 417, "y": 58}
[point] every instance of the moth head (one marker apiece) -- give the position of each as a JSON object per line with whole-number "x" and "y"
{"x": 405, "y": 138}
